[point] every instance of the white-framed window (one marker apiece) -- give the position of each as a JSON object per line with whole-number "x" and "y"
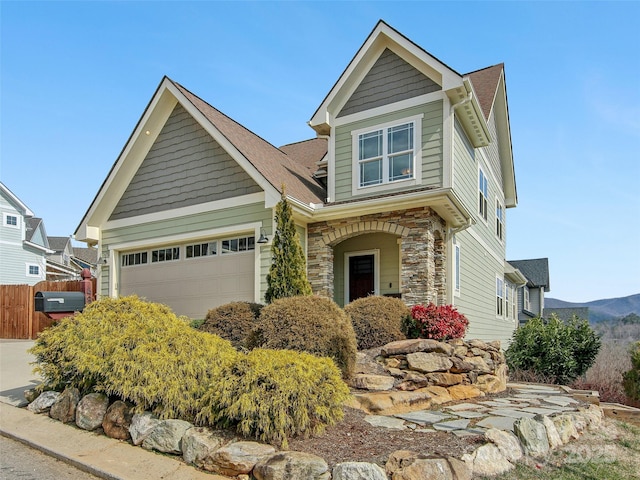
{"x": 499, "y": 220}
{"x": 387, "y": 154}
{"x": 514, "y": 305}
{"x": 202, "y": 249}
{"x": 135, "y": 258}
{"x": 508, "y": 300}
{"x": 526, "y": 301}
{"x": 238, "y": 244}
{"x": 33, "y": 270}
{"x": 167, "y": 254}
{"x": 499, "y": 296}
{"x": 483, "y": 195}
{"x": 10, "y": 220}
{"x": 456, "y": 268}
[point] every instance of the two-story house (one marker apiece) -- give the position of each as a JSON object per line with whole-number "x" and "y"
{"x": 402, "y": 192}
{"x": 530, "y": 295}
{"x": 23, "y": 242}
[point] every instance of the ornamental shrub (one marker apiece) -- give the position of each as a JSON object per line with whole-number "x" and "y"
{"x": 439, "y": 322}
{"x": 136, "y": 350}
{"x": 308, "y": 324}
{"x": 631, "y": 379}
{"x": 555, "y": 350}
{"x": 377, "y": 320}
{"x": 233, "y": 321}
{"x": 274, "y": 394}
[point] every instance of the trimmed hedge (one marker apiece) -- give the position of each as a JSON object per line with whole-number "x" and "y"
{"x": 377, "y": 320}
{"x": 233, "y": 321}
{"x": 310, "y": 324}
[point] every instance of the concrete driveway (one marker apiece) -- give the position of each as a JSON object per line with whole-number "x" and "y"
{"x": 16, "y": 373}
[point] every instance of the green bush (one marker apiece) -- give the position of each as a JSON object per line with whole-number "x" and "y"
{"x": 558, "y": 351}
{"x": 233, "y": 321}
{"x": 377, "y": 320}
{"x": 138, "y": 351}
{"x": 308, "y": 324}
{"x": 631, "y": 379}
{"x": 272, "y": 395}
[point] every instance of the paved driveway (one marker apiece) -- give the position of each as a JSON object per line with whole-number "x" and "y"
{"x": 16, "y": 374}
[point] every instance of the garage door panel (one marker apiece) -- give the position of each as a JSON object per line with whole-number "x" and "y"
{"x": 193, "y": 286}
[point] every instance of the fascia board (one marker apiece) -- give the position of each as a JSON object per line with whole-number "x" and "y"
{"x": 18, "y": 204}
{"x": 229, "y": 147}
{"x": 505, "y": 147}
{"x": 35, "y": 246}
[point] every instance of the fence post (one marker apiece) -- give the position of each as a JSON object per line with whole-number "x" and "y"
{"x": 30, "y": 312}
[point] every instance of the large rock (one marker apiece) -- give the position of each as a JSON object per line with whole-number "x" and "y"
{"x": 400, "y": 459}
{"x": 44, "y": 402}
{"x": 117, "y": 420}
{"x": 533, "y": 436}
{"x": 389, "y": 403}
{"x": 292, "y": 466}
{"x": 552, "y": 432}
{"x": 460, "y": 366}
{"x": 487, "y": 460}
{"x": 405, "y": 347}
{"x": 356, "y": 471}
{"x": 565, "y": 427}
{"x": 439, "y": 395}
{"x": 480, "y": 365}
{"x": 425, "y": 469}
{"x": 239, "y": 457}
{"x": 167, "y": 436}
{"x": 428, "y": 362}
{"x": 91, "y": 411}
{"x": 366, "y": 362}
{"x": 462, "y": 392}
{"x": 461, "y": 471}
{"x": 490, "y": 384}
{"x": 64, "y": 409}
{"x": 366, "y": 381}
{"x": 506, "y": 442}
{"x": 443, "y": 379}
{"x": 199, "y": 444}
{"x": 142, "y": 424}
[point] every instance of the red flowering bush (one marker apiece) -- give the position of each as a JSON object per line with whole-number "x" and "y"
{"x": 438, "y": 322}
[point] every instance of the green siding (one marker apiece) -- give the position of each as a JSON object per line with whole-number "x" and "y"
{"x": 431, "y": 147}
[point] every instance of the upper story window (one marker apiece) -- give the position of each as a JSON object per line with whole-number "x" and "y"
{"x": 386, "y": 154}
{"x": 483, "y": 195}
{"x": 202, "y": 249}
{"x": 11, "y": 220}
{"x": 137, "y": 258}
{"x": 499, "y": 296}
{"x": 165, "y": 254}
{"x": 526, "y": 301}
{"x": 499, "y": 220}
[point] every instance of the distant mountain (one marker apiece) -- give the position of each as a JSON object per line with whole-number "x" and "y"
{"x": 600, "y": 310}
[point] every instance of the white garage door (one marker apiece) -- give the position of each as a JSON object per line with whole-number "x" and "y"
{"x": 190, "y": 286}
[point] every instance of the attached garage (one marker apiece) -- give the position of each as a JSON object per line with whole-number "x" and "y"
{"x": 191, "y": 278}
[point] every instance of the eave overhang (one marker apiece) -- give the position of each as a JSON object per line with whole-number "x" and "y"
{"x": 35, "y": 246}
{"x": 469, "y": 113}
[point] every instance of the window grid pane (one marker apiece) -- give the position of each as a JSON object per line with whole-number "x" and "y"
{"x": 371, "y": 173}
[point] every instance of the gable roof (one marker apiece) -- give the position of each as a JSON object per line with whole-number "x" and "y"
{"x": 485, "y": 84}
{"x": 536, "y": 270}
{"x": 307, "y": 152}
{"x": 31, "y": 226}
{"x": 15, "y": 201}
{"x": 86, "y": 255}
{"x": 58, "y": 243}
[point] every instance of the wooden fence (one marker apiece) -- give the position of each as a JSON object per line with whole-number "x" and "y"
{"x": 18, "y": 318}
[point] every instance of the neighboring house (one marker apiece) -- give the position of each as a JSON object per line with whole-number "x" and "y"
{"x": 531, "y": 295}
{"x": 402, "y": 193}
{"x": 86, "y": 258}
{"x": 60, "y": 265}
{"x": 23, "y": 242}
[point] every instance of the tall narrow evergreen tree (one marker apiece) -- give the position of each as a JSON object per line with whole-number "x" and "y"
{"x": 287, "y": 275}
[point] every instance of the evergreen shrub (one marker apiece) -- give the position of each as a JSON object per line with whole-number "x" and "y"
{"x": 310, "y": 324}
{"x": 377, "y": 320}
{"x": 272, "y": 395}
{"x": 233, "y": 321}
{"x": 631, "y": 379}
{"x": 560, "y": 352}
{"x": 138, "y": 351}
{"x": 439, "y": 322}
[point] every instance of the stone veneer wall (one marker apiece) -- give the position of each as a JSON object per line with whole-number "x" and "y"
{"x": 423, "y": 259}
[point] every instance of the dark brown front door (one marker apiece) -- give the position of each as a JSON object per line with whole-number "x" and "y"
{"x": 361, "y": 276}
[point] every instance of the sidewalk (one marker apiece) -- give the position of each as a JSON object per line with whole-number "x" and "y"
{"x": 16, "y": 374}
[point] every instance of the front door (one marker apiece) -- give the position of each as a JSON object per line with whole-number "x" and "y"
{"x": 361, "y": 276}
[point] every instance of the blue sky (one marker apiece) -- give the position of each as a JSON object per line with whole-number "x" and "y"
{"x": 76, "y": 77}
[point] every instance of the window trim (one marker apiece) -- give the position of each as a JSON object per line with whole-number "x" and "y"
{"x": 499, "y": 297}
{"x": 415, "y": 179}
{"x": 200, "y": 243}
{"x": 173, "y": 258}
{"x": 500, "y": 220}
{"x": 483, "y": 208}
{"x": 34, "y": 275}
{"x": 238, "y": 238}
{"x": 6, "y": 215}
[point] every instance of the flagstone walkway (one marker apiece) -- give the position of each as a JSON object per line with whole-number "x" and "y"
{"x": 475, "y": 417}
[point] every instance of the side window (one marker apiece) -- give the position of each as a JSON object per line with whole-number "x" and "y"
{"x": 483, "y": 195}
{"x": 456, "y": 268}
{"x": 499, "y": 296}
{"x": 9, "y": 220}
{"x": 499, "y": 220}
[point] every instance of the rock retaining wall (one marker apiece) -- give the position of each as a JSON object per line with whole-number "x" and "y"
{"x": 410, "y": 374}
{"x": 221, "y": 452}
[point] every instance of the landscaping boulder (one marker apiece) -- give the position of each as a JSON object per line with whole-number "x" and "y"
{"x": 91, "y": 411}
{"x": 366, "y": 381}
{"x": 506, "y": 442}
{"x": 532, "y": 435}
{"x": 487, "y": 461}
{"x": 199, "y": 444}
{"x": 565, "y": 427}
{"x": 167, "y": 436}
{"x": 64, "y": 409}
{"x": 357, "y": 471}
{"x": 292, "y": 466}
{"x": 44, "y": 402}
{"x": 428, "y": 362}
{"x": 425, "y": 469}
{"x": 552, "y": 432}
{"x": 239, "y": 458}
{"x": 117, "y": 420}
{"x": 142, "y": 424}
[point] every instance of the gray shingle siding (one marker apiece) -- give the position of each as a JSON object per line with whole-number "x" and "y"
{"x": 184, "y": 167}
{"x": 390, "y": 80}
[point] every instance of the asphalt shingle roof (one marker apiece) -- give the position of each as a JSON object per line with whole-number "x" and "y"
{"x": 536, "y": 270}
{"x": 485, "y": 84}
{"x": 31, "y": 225}
{"x": 58, "y": 243}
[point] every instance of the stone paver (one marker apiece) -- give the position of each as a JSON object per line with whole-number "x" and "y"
{"x": 541, "y": 410}
{"x": 469, "y": 414}
{"x": 501, "y": 423}
{"x": 423, "y": 417}
{"x": 465, "y": 406}
{"x": 452, "y": 425}
{"x": 562, "y": 401}
{"x": 512, "y": 413}
{"x": 384, "y": 421}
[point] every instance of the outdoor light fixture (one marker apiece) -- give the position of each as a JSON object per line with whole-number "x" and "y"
{"x": 263, "y": 236}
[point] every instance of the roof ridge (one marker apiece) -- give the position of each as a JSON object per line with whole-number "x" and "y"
{"x": 501, "y": 64}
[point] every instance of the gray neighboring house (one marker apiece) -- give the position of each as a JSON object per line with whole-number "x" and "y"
{"x": 67, "y": 262}
{"x": 531, "y": 295}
